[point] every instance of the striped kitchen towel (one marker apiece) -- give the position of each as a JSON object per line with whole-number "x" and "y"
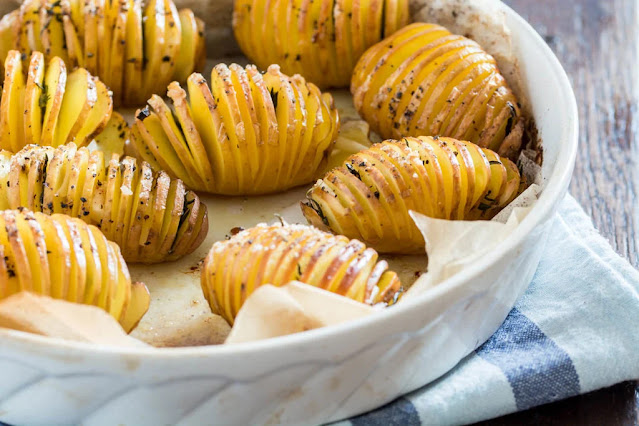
{"x": 574, "y": 331}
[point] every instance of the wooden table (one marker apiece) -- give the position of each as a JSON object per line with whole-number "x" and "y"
{"x": 596, "y": 41}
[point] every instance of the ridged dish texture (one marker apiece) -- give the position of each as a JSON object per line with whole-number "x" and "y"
{"x": 152, "y": 217}
{"x": 249, "y": 133}
{"x": 423, "y": 80}
{"x": 321, "y": 40}
{"x": 136, "y": 47}
{"x": 278, "y": 255}
{"x": 67, "y": 259}
{"x": 369, "y": 197}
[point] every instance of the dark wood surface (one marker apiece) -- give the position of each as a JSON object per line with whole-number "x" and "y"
{"x": 596, "y": 40}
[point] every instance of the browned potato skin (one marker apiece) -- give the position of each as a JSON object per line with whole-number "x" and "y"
{"x": 369, "y": 197}
{"x": 152, "y": 217}
{"x": 64, "y": 258}
{"x": 321, "y": 40}
{"x": 423, "y": 80}
{"x": 279, "y": 254}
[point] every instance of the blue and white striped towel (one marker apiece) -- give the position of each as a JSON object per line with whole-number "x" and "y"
{"x": 575, "y": 330}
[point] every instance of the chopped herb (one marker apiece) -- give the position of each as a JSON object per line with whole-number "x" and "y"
{"x": 352, "y": 171}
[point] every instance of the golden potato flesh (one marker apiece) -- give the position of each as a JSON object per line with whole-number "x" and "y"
{"x": 249, "y": 133}
{"x": 152, "y": 217}
{"x": 136, "y": 47}
{"x": 64, "y": 258}
{"x": 45, "y": 104}
{"x": 369, "y": 197}
{"x": 425, "y": 81}
{"x": 321, "y": 40}
{"x": 280, "y": 254}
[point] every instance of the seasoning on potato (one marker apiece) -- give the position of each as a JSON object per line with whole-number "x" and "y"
{"x": 280, "y": 254}
{"x": 152, "y": 217}
{"x": 45, "y": 104}
{"x": 136, "y": 47}
{"x": 369, "y": 197}
{"x": 320, "y": 40}
{"x": 425, "y": 81}
{"x": 64, "y": 258}
{"x": 249, "y": 133}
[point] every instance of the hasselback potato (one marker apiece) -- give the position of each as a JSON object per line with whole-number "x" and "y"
{"x": 423, "y": 80}
{"x": 136, "y": 47}
{"x": 64, "y": 258}
{"x": 321, "y": 40}
{"x": 370, "y": 195}
{"x": 250, "y": 133}
{"x": 152, "y": 217}
{"x": 46, "y": 105}
{"x": 279, "y": 254}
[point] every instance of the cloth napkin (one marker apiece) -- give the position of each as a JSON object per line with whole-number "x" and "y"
{"x": 574, "y": 331}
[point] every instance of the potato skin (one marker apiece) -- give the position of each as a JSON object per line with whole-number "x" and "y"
{"x": 250, "y": 133}
{"x": 321, "y": 40}
{"x": 423, "y": 80}
{"x": 152, "y": 217}
{"x": 64, "y": 258}
{"x": 369, "y": 197}
{"x": 279, "y": 254}
{"x": 44, "y": 103}
{"x": 136, "y": 47}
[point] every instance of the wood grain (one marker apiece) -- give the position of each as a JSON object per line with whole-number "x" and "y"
{"x": 597, "y": 42}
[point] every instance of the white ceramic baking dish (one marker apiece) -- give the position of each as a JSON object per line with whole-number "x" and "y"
{"x": 321, "y": 375}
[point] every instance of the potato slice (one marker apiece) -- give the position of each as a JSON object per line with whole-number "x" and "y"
{"x": 209, "y": 125}
{"x": 114, "y": 137}
{"x": 30, "y": 39}
{"x": 134, "y": 59}
{"x": 172, "y": 39}
{"x": 79, "y": 98}
{"x": 71, "y": 36}
{"x": 33, "y": 241}
{"x": 186, "y": 58}
{"x": 32, "y": 98}
{"x": 137, "y": 307}
{"x": 51, "y": 100}
{"x": 59, "y": 258}
{"x": 8, "y": 35}
{"x": 118, "y": 51}
{"x": 12, "y": 104}
{"x": 154, "y": 44}
{"x": 94, "y": 282}
{"x": 90, "y": 22}
{"x": 99, "y": 116}
{"x": 176, "y": 138}
{"x": 192, "y": 138}
{"x": 52, "y": 33}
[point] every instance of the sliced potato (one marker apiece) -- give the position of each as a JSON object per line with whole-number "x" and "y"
{"x": 152, "y": 217}
{"x": 65, "y": 258}
{"x": 278, "y": 255}
{"x": 80, "y": 97}
{"x": 55, "y": 81}
{"x": 370, "y": 195}
{"x": 137, "y": 48}
{"x": 247, "y": 134}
